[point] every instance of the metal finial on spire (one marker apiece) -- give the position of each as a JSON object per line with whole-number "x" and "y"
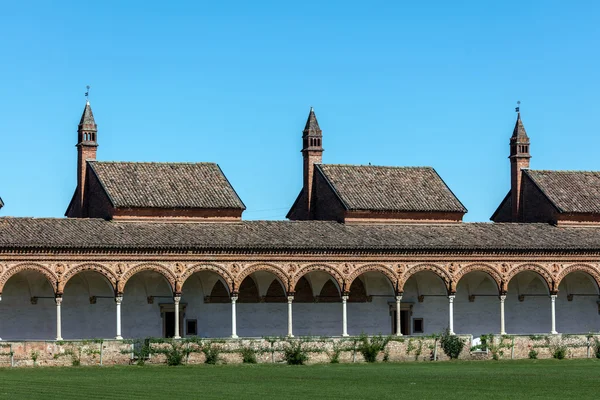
{"x": 518, "y": 107}
{"x": 311, "y": 109}
{"x": 87, "y": 94}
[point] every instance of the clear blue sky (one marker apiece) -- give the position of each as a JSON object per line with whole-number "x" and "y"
{"x": 404, "y": 83}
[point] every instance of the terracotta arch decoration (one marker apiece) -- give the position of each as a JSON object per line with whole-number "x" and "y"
{"x": 226, "y": 277}
{"x": 45, "y": 271}
{"x": 590, "y": 270}
{"x": 439, "y": 271}
{"x": 335, "y": 275}
{"x": 99, "y": 268}
{"x": 278, "y": 272}
{"x": 392, "y": 278}
{"x": 491, "y": 271}
{"x": 161, "y": 269}
{"x": 541, "y": 271}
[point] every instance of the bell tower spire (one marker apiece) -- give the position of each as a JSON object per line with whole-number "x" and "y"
{"x": 519, "y": 159}
{"x": 86, "y": 149}
{"x": 312, "y": 153}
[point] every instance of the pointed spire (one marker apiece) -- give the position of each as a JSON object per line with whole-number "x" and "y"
{"x": 519, "y": 131}
{"x": 87, "y": 122}
{"x": 312, "y": 125}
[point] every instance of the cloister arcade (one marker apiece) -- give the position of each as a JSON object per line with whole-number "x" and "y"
{"x": 210, "y": 303}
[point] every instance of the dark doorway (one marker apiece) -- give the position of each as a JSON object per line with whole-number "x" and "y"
{"x": 404, "y": 319}
{"x": 169, "y": 324}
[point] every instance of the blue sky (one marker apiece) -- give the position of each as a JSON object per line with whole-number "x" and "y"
{"x": 393, "y": 83}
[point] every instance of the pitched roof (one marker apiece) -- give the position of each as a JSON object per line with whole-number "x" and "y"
{"x": 569, "y": 191}
{"x": 87, "y": 121}
{"x": 366, "y": 187}
{"x": 166, "y": 185}
{"x": 62, "y": 234}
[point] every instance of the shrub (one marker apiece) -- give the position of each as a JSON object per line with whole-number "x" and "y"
{"x": 211, "y": 353}
{"x": 370, "y": 348}
{"x": 560, "y": 352}
{"x": 248, "y": 355}
{"x": 294, "y": 354}
{"x": 451, "y": 344}
{"x": 533, "y": 354}
{"x": 597, "y": 347}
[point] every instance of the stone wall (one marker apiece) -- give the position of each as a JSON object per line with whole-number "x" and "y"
{"x": 320, "y": 350}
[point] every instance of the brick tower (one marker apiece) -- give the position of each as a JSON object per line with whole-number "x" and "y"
{"x": 312, "y": 153}
{"x": 86, "y": 150}
{"x": 519, "y": 159}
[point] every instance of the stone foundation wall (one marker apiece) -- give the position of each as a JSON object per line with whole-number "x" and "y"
{"x": 319, "y": 350}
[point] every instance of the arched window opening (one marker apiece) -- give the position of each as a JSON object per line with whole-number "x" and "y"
{"x": 329, "y": 293}
{"x": 218, "y": 294}
{"x": 303, "y": 292}
{"x": 248, "y": 292}
{"x": 275, "y": 293}
{"x": 358, "y": 292}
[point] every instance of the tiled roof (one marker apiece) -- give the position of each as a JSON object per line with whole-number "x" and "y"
{"x": 166, "y": 185}
{"x": 87, "y": 118}
{"x": 569, "y": 191}
{"x": 273, "y": 236}
{"x": 366, "y": 187}
{"x": 312, "y": 125}
{"x": 519, "y": 130}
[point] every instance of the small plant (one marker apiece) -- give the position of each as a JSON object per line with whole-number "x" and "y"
{"x": 370, "y": 348}
{"x": 451, "y": 344}
{"x": 559, "y": 352}
{"x": 597, "y": 347}
{"x": 248, "y": 355}
{"x": 34, "y": 356}
{"x": 533, "y": 355}
{"x": 211, "y": 353}
{"x": 294, "y": 354}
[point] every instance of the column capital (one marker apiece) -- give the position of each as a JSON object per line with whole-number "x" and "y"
{"x": 290, "y": 298}
{"x": 502, "y": 297}
{"x": 119, "y": 298}
{"x": 451, "y": 298}
{"x": 553, "y": 293}
{"x": 553, "y": 296}
{"x": 58, "y": 299}
{"x": 177, "y": 297}
{"x": 345, "y": 298}
{"x": 234, "y": 298}
{"x": 399, "y": 297}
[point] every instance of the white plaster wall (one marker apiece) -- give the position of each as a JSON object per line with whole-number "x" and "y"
{"x": 434, "y": 308}
{"x": 581, "y": 315}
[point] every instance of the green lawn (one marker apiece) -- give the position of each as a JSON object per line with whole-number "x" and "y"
{"x": 525, "y": 379}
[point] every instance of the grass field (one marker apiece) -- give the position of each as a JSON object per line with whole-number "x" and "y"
{"x": 525, "y": 379}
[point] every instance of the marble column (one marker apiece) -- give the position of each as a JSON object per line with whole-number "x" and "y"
{"x": 118, "y": 301}
{"x": 553, "y": 302}
{"x": 58, "y": 300}
{"x": 290, "y": 331}
{"x": 233, "y": 317}
{"x": 502, "y": 329}
{"x": 176, "y": 300}
{"x": 398, "y": 315}
{"x": 451, "y": 314}
{"x": 344, "y": 315}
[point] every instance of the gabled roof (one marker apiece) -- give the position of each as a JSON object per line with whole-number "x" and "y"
{"x": 400, "y": 189}
{"x": 61, "y": 234}
{"x": 569, "y": 191}
{"x": 166, "y": 185}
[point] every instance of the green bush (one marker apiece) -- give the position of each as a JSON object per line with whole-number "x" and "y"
{"x": 451, "y": 344}
{"x": 597, "y": 347}
{"x": 248, "y": 355}
{"x": 294, "y": 354}
{"x": 211, "y": 353}
{"x": 533, "y": 354}
{"x": 370, "y": 348}
{"x": 559, "y": 352}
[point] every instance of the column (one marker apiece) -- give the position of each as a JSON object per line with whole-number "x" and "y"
{"x": 290, "y": 299}
{"x": 451, "y": 314}
{"x": 118, "y": 301}
{"x": 553, "y": 302}
{"x": 398, "y": 321}
{"x": 233, "y": 318}
{"x": 502, "y": 330}
{"x": 344, "y": 315}
{"x": 176, "y": 300}
{"x": 58, "y": 300}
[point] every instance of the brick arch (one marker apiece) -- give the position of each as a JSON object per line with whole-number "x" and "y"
{"x": 45, "y": 271}
{"x": 541, "y": 271}
{"x": 225, "y": 276}
{"x": 392, "y": 278}
{"x": 488, "y": 269}
{"x": 586, "y": 268}
{"x": 99, "y": 268}
{"x": 334, "y": 273}
{"x": 272, "y": 268}
{"x": 436, "y": 269}
{"x": 161, "y": 269}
